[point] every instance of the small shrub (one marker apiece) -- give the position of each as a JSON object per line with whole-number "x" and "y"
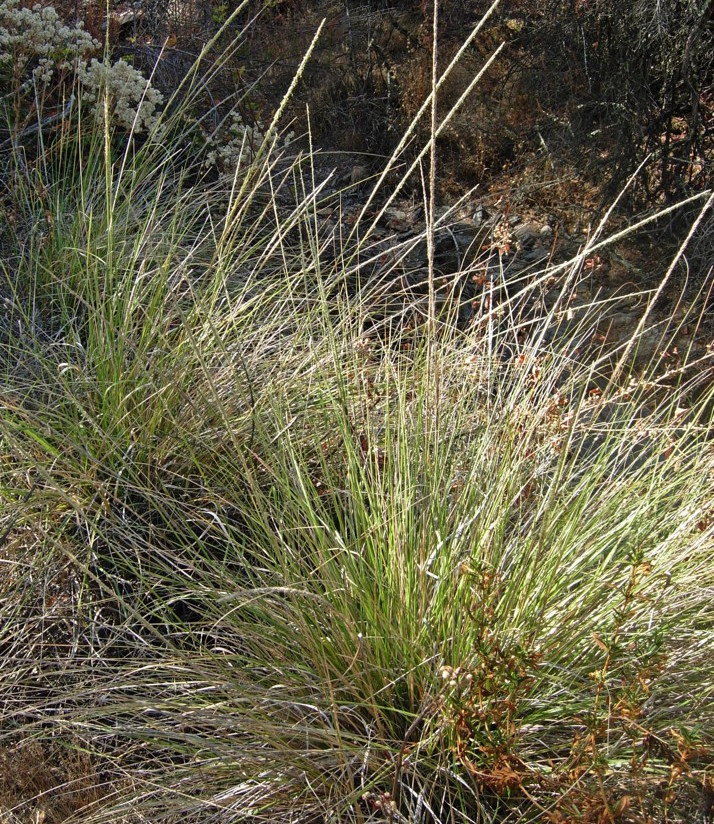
{"x": 43, "y": 62}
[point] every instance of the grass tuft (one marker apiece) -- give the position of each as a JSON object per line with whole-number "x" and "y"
{"x": 280, "y": 544}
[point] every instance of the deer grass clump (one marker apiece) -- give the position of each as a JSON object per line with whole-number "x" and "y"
{"x": 280, "y": 543}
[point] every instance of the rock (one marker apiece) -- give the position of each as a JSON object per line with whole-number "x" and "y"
{"x": 358, "y": 174}
{"x": 618, "y": 326}
{"x": 528, "y": 235}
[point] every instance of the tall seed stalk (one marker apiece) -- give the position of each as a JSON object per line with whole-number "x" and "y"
{"x": 432, "y": 365}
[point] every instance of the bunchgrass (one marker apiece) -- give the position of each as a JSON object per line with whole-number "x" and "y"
{"x": 280, "y": 542}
